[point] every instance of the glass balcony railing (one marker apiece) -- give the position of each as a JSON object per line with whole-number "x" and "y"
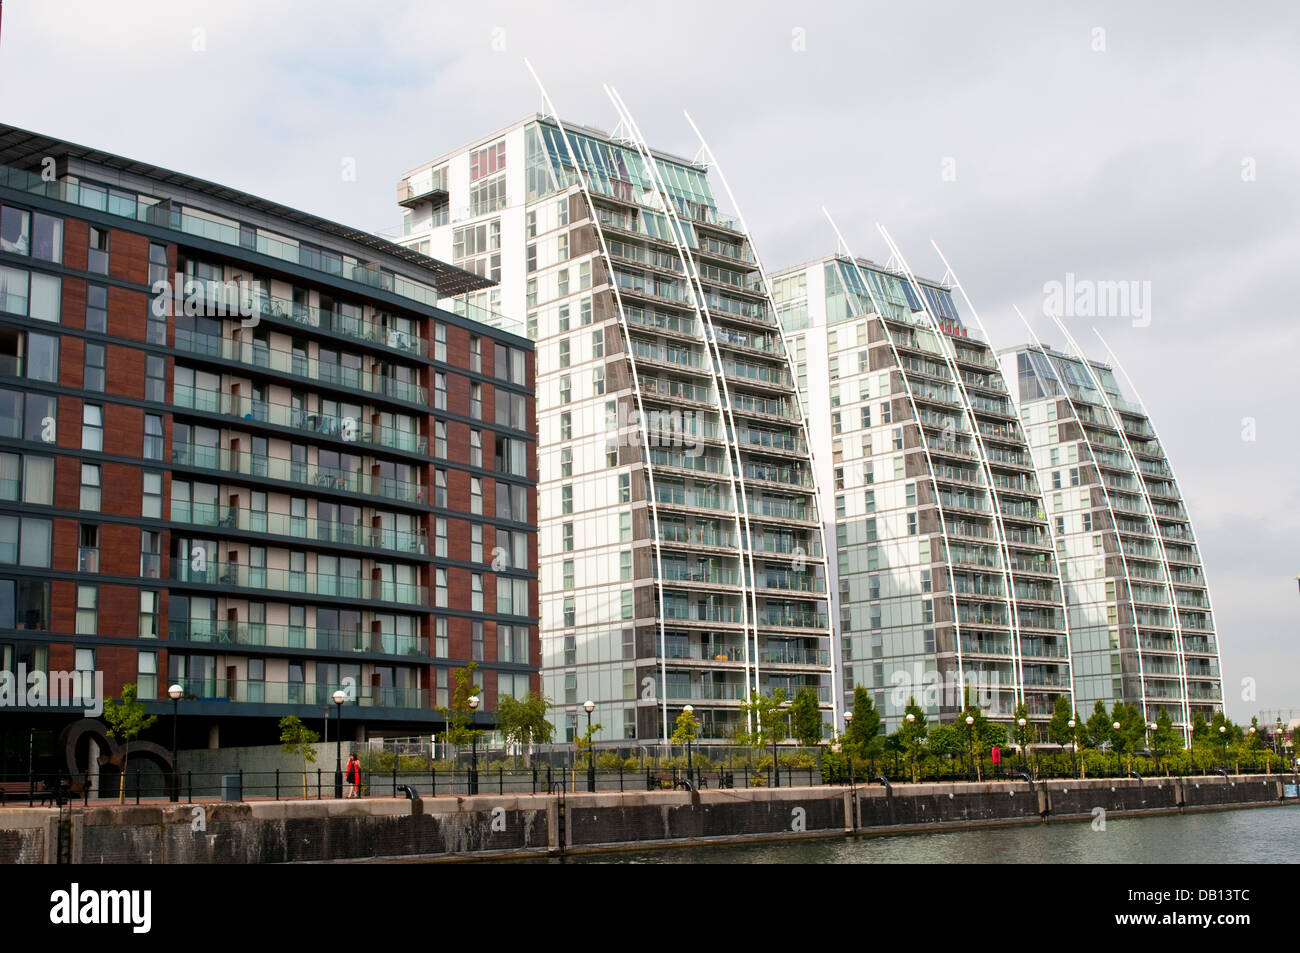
{"x": 296, "y": 365}
{"x": 672, "y": 533}
{"x": 701, "y": 574}
{"x": 283, "y": 415}
{"x": 790, "y": 581}
{"x": 300, "y": 528}
{"x": 292, "y": 471}
{"x": 688, "y": 613}
{"x": 243, "y": 576}
{"x": 788, "y": 618}
{"x": 298, "y": 693}
{"x": 271, "y": 635}
{"x": 146, "y": 208}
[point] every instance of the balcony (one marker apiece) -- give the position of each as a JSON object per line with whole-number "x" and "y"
{"x": 300, "y": 528}
{"x": 283, "y": 415}
{"x": 242, "y": 576}
{"x": 298, "y": 693}
{"x": 294, "y": 365}
{"x": 310, "y": 476}
{"x": 296, "y": 637}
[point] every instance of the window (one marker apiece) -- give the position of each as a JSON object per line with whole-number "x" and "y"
{"x": 886, "y": 413}
{"x": 440, "y": 342}
{"x": 440, "y": 588}
{"x": 96, "y": 308}
{"x": 476, "y": 495}
{"x": 97, "y": 256}
{"x": 866, "y": 417}
{"x": 625, "y": 565}
{"x": 146, "y": 679}
{"x": 92, "y": 427}
{"x": 476, "y": 641}
{"x": 566, "y": 535}
{"x": 624, "y": 487}
{"x": 148, "y": 614}
{"x": 150, "y": 554}
{"x": 476, "y": 543}
{"x": 564, "y": 353}
{"x": 566, "y": 388}
{"x": 87, "y": 610}
{"x": 911, "y": 524}
{"x": 440, "y": 488}
{"x": 624, "y": 527}
{"x": 42, "y": 357}
{"x": 598, "y": 343}
{"x": 440, "y": 439}
{"x": 570, "y": 613}
{"x": 439, "y": 391}
{"x": 155, "y": 378}
{"x": 566, "y": 426}
{"x": 568, "y": 574}
{"x": 90, "y": 487}
{"x": 153, "y": 437}
{"x": 598, "y": 380}
{"x": 476, "y": 591}
{"x": 88, "y": 548}
{"x": 566, "y": 462}
{"x": 625, "y": 607}
{"x": 476, "y": 448}
{"x": 566, "y": 499}
{"x": 476, "y": 401}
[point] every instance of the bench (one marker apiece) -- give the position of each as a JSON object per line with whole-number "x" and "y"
{"x": 18, "y": 790}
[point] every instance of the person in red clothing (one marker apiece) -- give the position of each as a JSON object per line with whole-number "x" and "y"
{"x": 353, "y": 775}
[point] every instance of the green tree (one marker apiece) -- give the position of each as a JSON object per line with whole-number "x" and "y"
{"x": 911, "y": 734}
{"x": 459, "y": 714}
{"x": 978, "y": 736}
{"x": 126, "y": 719}
{"x": 1165, "y": 740}
{"x": 1098, "y": 724}
{"x": 766, "y": 717}
{"x": 297, "y": 739}
{"x": 1131, "y": 735}
{"x": 944, "y": 740}
{"x": 1058, "y": 729}
{"x": 1200, "y": 731}
{"x": 863, "y": 732}
{"x": 686, "y": 728}
{"x": 1024, "y": 735}
{"x": 523, "y": 721}
{"x": 806, "y": 716}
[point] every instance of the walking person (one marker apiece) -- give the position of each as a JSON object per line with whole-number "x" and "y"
{"x": 353, "y": 775}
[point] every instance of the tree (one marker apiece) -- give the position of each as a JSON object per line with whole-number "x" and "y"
{"x": 944, "y": 740}
{"x": 1165, "y": 739}
{"x": 298, "y": 739}
{"x": 806, "y": 716}
{"x": 126, "y": 719}
{"x": 1200, "y": 731}
{"x": 1099, "y": 730}
{"x": 911, "y": 734}
{"x": 1058, "y": 729}
{"x": 1024, "y": 735}
{"x": 523, "y": 721}
{"x": 766, "y": 716}
{"x": 977, "y": 737}
{"x": 1129, "y": 738}
{"x": 863, "y": 732}
{"x": 458, "y": 715}
{"x": 686, "y": 728}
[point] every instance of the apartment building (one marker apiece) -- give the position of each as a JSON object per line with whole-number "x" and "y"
{"x": 245, "y": 451}
{"x": 681, "y": 552}
{"x": 946, "y": 580}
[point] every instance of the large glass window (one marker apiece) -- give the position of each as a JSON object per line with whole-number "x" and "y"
{"x": 42, "y": 357}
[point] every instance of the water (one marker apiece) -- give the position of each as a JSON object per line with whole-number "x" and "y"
{"x": 1257, "y": 836}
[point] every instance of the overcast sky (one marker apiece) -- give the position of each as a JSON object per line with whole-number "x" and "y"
{"x": 1031, "y": 140}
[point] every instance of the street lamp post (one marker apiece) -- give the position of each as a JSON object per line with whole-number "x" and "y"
{"x": 848, "y": 748}
{"x": 340, "y": 697}
{"x": 911, "y": 757}
{"x": 589, "y": 706}
{"x": 1024, "y": 757}
{"x": 1151, "y": 743}
{"x": 473, "y": 747}
{"x": 970, "y": 743}
{"x": 1074, "y": 748}
{"x": 776, "y": 770}
{"x": 1114, "y": 743}
{"x": 1223, "y": 737}
{"x": 1254, "y": 760}
{"x": 175, "y": 692}
{"x": 690, "y": 767}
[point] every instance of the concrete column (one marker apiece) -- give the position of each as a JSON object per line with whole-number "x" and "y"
{"x": 214, "y": 736}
